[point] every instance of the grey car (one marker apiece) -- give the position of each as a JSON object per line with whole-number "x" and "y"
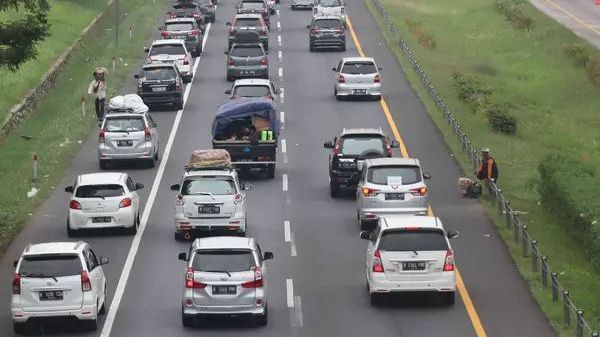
{"x": 208, "y": 8}
{"x": 327, "y": 32}
{"x": 128, "y": 136}
{"x": 225, "y": 276}
{"x": 391, "y": 186}
{"x": 245, "y": 60}
{"x": 186, "y": 29}
{"x": 248, "y": 23}
{"x": 357, "y": 76}
{"x": 302, "y": 4}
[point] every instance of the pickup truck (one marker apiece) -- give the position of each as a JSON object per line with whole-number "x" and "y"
{"x": 248, "y": 129}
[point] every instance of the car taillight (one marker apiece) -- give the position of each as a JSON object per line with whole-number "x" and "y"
{"x": 179, "y": 201}
{"x": 189, "y": 280}
{"x": 341, "y": 79}
{"x": 186, "y": 60}
{"x": 86, "y": 284}
{"x": 377, "y": 79}
{"x": 125, "y": 203}
{"x": 336, "y": 149}
{"x": 449, "y": 262}
{"x": 369, "y": 192}
{"x": 258, "y": 280}
{"x": 237, "y": 199}
{"x": 270, "y": 97}
{"x": 172, "y": 16}
{"x": 263, "y": 62}
{"x": 231, "y": 62}
{"x": 165, "y": 34}
{"x": 101, "y": 136}
{"x": 194, "y": 32}
{"x": 16, "y": 284}
{"x": 388, "y": 148}
{"x": 147, "y": 135}
{"x": 420, "y": 191}
{"x": 377, "y": 265}
{"x": 74, "y": 204}
{"x": 196, "y": 15}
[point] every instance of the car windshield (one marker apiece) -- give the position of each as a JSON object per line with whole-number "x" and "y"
{"x": 419, "y": 240}
{"x": 168, "y": 49}
{"x": 159, "y": 74}
{"x": 252, "y": 5}
{"x": 379, "y": 174}
{"x": 212, "y": 185}
{"x": 50, "y": 266}
{"x": 359, "y": 68}
{"x": 250, "y": 51}
{"x": 327, "y": 24}
{"x": 330, "y": 3}
{"x": 124, "y": 124}
{"x": 179, "y": 26}
{"x": 357, "y": 146}
{"x": 247, "y": 22}
{"x": 184, "y": 6}
{"x": 223, "y": 260}
{"x": 100, "y": 191}
{"x": 252, "y": 90}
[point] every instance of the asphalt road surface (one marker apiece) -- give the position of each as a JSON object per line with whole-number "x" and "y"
{"x": 317, "y": 281}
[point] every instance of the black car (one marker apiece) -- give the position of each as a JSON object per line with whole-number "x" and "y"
{"x": 349, "y": 149}
{"x": 187, "y": 10}
{"x": 160, "y": 83}
{"x": 327, "y": 32}
{"x": 207, "y": 7}
{"x": 186, "y": 29}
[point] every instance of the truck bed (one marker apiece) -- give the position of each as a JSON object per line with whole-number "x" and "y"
{"x": 246, "y": 153}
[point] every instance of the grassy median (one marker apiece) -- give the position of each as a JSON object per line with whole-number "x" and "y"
{"x": 57, "y": 127}
{"x": 527, "y": 67}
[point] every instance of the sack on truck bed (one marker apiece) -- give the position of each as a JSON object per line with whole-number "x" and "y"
{"x": 204, "y": 159}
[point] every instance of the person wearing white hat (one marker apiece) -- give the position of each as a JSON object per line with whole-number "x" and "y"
{"x": 488, "y": 171}
{"x": 97, "y": 88}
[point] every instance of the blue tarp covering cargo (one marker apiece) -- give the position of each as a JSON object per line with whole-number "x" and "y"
{"x": 240, "y": 109}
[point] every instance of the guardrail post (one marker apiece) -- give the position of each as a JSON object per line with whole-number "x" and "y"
{"x": 500, "y": 199}
{"x": 554, "y": 279}
{"x": 566, "y": 308}
{"x": 507, "y": 213}
{"x": 515, "y": 225}
{"x": 524, "y": 244}
{"x": 544, "y": 272}
{"x": 534, "y": 256}
{"x": 579, "y": 331}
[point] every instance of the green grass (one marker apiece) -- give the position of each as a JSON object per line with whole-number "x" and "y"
{"x": 555, "y": 105}
{"x": 57, "y": 126}
{"x": 67, "y": 20}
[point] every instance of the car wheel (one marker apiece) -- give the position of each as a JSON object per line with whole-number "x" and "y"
{"x": 311, "y": 48}
{"x": 156, "y": 156}
{"x": 133, "y": 229}
{"x": 103, "y": 307}
{"x": 375, "y": 299}
{"x": 91, "y": 324}
{"x": 103, "y": 164}
{"x": 20, "y": 328}
{"x": 271, "y": 171}
{"x": 263, "y": 319}
{"x": 230, "y": 78}
{"x": 71, "y": 232}
{"x": 266, "y": 46}
{"x": 343, "y": 47}
{"x": 151, "y": 162}
{"x": 187, "y": 320}
{"x": 334, "y": 189}
{"x": 212, "y": 20}
{"x": 293, "y": 7}
{"x": 178, "y": 236}
{"x": 449, "y": 298}
{"x": 378, "y": 98}
{"x": 179, "y": 104}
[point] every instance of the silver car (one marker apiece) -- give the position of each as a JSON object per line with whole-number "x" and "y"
{"x": 171, "y": 51}
{"x": 357, "y": 76}
{"x": 389, "y": 186}
{"x": 302, "y": 4}
{"x": 128, "y": 136}
{"x": 330, "y": 8}
{"x": 247, "y": 60}
{"x": 225, "y": 276}
{"x": 251, "y": 88}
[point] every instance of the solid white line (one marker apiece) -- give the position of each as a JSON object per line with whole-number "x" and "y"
{"x": 298, "y": 311}
{"x": 280, "y": 72}
{"x": 135, "y": 244}
{"x": 279, "y": 39}
{"x": 286, "y": 230}
{"x": 283, "y": 146}
{"x": 285, "y": 182}
{"x": 281, "y": 113}
{"x": 282, "y": 98}
{"x": 280, "y": 55}
{"x": 289, "y": 283}
{"x": 293, "y": 250}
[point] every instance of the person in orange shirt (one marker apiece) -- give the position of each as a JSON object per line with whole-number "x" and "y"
{"x": 488, "y": 171}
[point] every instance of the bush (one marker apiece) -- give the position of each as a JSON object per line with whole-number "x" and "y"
{"x": 511, "y": 11}
{"x": 567, "y": 188}
{"x": 471, "y": 89}
{"x": 425, "y": 38}
{"x": 577, "y": 53}
{"x": 592, "y": 69}
{"x": 499, "y": 117}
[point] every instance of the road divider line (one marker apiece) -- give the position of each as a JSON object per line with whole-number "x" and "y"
{"x": 462, "y": 289}
{"x": 135, "y": 244}
{"x": 297, "y": 321}
{"x": 284, "y": 184}
{"x": 286, "y": 230}
{"x": 293, "y": 250}
{"x": 281, "y": 113}
{"x": 277, "y": 11}
{"x": 281, "y": 99}
{"x": 283, "y": 145}
{"x": 280, "y": 72}
{"x": 280, "y": 55}
{"x": 278, "y": 25}
{"x": 279, "y": 40}
{"x": 289, "y": 284}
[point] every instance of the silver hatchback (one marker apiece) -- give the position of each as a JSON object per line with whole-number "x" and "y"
{"x": 389, "y": 186}
{"x": 357, "y": 76}
{"x": 225, "y": 276}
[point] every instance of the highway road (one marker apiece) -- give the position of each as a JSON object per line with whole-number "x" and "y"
{"x": 317, "y": 281}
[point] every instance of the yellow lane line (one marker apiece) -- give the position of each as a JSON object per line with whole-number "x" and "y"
{"x": 572, "y": 16}
{"x": 462, "y": 289}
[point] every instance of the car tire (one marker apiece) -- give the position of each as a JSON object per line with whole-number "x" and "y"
{"x": 230, "y": 78}
{"x": 186, "y": 320}
{"x": 102, "y": 310}
{"x": 263, "y": 319}
{"x": 375, "y": 299}
{"x": 20, "y": 328}
{"x": 156, "y": 156}
{"x": 133, "y": 229}
{"x": 449, "y": 298}
{"x": 343, "y": 47}
{"x": 266, "y": 46}
{"x": 213, "y": 19}
{"x": 151, "y": 162}
{"x": 103, "y": 164}
{"x": 378, "y": 98}
{"x": 179, "y": 104}
{"x": 271, "y": 171}
{"x": 293, "y": 7}
{"x": 311, "y": 48}
{"x": 334, "y": 189}
{"x": 71, "y": 232}
{"x": 90, "y": 324}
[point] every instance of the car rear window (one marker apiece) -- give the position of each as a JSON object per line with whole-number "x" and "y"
{"x": 50, "y": 266}
{"x": 168, "y": 49}
{"x": 379, "y": 174}
{"x": 179, "y": 26}
{"x": 357, "y": 146}
{"x": 223, "y": 260}
{"x": 158, "y": 74}
{"x": 253, "y": 5}
{"x": 184, "y": 6}
{"x": 359, "y": 68}
{"x": 249, "y": 51}
{"x": 419, "y": 240}
{"x": 124, "y": 124}
{"x": 327, "y": 24}
{"x": 252, "y": 90}
{"x": 245, "y": 22}
{"x": 330, "y": 3}
{"x": 100, "y": 191}
{"x": 212, "y": 185}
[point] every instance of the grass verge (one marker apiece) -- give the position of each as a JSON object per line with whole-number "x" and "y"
{"x": 67, "y": 21}
{"x": 553, "y": 101}
{"x": 57, "y": 127}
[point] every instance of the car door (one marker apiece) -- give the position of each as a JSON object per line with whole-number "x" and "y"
{"x": 153, "y": 127}
{"x": 135, "y": 197}
{"x": 95, "y": 273}
{"x": 99, "y": 273}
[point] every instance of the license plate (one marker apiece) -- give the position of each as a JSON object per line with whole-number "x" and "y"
{"x": 209, "y": 209}
{"x": 413, "y": 265}
{"x": 101, "y": 219}
{"x": 124, "y": 143}
{"x": 248, "y": 72}
{"x": 224, "y": 290}
{"x": 359, "y": 91}
{"x": 159, "y": 89}
{"x": 53, "y": 295}
{"x": 394, "y": 196}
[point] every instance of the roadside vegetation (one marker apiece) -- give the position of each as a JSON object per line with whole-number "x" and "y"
{"x": 503, "y": 64}
{"x": 57, "y": 127}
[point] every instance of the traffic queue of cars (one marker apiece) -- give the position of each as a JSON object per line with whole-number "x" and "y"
{"x": 408, "y": 250}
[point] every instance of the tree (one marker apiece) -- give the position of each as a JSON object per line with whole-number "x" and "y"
{"x": 19, "y": 37}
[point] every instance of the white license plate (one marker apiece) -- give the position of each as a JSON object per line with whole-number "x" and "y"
{"x": 359, "y": 91}
{"x": 158, "y": 89}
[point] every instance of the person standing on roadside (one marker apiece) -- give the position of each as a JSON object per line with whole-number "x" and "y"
{"x": 97, "y": 89}
{"x": 488, "y": 171}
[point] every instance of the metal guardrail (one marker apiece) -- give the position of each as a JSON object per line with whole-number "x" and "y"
{"x": 573, "y": 317}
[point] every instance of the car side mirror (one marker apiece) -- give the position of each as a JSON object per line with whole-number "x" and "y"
{"x": 182, "y": 256}
{"x": 228, "y": 92}
{"x": 146, "y": 49}
{"x": 175, "y": 187}
{"x": 308, "y": 26}
{"x": 104, "y": 260}
{"x": 328, "y": 145}
{"x": 334, "y": 69}
{"x": 226, "y": 53}
{"x": 246, "y": 187}
{"x": 452, "y": 235}
{"x": 15, "y": 263}
{"x": 360, "y": 165}
{"x": 69, "y": 189}
{"x": 395, "y": 144}
{"x": 426, "y": 175}
{"x": 136, "y": 76}
{"x": 228, "y": 24}
{"x": 366, "y": 235}
{"x": 169, "y": 13}
{"x": 161, "y": 28}
{"x": 277, "y": 91}
{"x": 139, "y": 186}
{"x": 268, "y": 256}
{"x": 380, "y": 68}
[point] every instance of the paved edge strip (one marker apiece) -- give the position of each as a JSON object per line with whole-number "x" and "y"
{"x": 574, "y": 17}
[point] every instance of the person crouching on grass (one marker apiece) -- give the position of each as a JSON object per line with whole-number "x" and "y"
{"x": 97, "y": 89}
{"x": 488, "y": 171}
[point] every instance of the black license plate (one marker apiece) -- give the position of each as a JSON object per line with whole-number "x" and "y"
{"x": 413, "y": 265}
{"x": 224, "y": 290}
{"x": 53, "y": 295}
{"x": 360, "y": 91}
{"x": 394, "y": 196}
{"x": 124, "y": 143}
{"x": 209, "y": 209}
{"x": 101, "y": 219}
{"x": 248, "y": 72}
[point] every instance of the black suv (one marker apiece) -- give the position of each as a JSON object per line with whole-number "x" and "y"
{"x": 349, "y": 149}
{"x": 186, "y": 29}
{"x": 327, "y": 32}
{"x": 160, "y": 83}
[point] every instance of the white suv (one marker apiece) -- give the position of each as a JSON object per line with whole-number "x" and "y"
{"x": 104, "y": 200}
{"x": 410, "y": 253}
{"x": 58, "y": 279}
